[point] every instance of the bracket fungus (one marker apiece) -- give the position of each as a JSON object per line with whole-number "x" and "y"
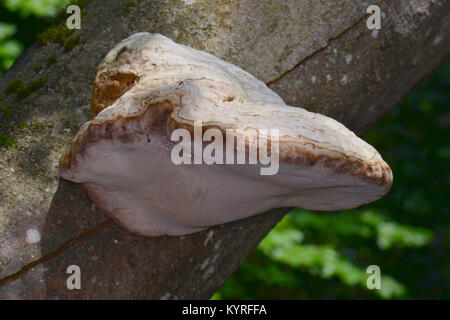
{"x": 149, "y": 86}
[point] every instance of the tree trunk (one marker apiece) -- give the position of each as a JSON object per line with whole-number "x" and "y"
{"x": 319, "y": 55}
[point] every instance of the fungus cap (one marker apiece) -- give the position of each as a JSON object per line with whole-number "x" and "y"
{"x": 149, "y": 86}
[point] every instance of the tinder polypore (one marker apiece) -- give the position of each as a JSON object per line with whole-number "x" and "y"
{"x": 180, "y": 140}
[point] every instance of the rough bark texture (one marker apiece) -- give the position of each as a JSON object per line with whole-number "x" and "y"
{"x": 315, "y": 54}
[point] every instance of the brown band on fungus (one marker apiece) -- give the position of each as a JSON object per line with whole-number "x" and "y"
{"x": 108, "y": 89}
{"x": 156, "y": 117}
{"x": 309, "y": 155}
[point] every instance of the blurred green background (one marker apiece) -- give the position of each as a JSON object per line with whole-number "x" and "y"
{"x": 312, "y": 255}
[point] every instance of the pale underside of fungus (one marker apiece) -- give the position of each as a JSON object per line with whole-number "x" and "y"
{"x": 148, "y": 86}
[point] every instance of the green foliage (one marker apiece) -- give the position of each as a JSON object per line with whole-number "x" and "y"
{"x": 25, "y": 19}
{"x": 40, "y": 8}
{"x": 10, "y": 48}
{"x": 325, "y": 255}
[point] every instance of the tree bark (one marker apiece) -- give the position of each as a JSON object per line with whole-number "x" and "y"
{"x": 315, "y": 54}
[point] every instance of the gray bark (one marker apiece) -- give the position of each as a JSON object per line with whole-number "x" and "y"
{"x": 316, "y": 54}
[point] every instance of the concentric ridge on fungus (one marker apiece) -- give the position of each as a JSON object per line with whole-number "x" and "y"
{"x": 148, "y": 86}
